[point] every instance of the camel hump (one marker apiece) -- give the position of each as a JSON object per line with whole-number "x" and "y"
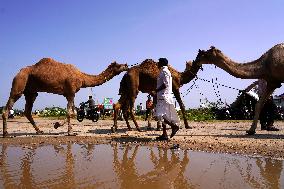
{"x": 147, "y": 63}
{"x": 281, "y": 45}
{"x": 46, "y": 61}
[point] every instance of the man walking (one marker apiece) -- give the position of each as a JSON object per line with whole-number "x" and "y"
{"x": 165, "y": 109}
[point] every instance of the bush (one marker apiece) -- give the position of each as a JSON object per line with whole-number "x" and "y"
{"x": 53, "y": 112}
{"x": 200, "y": 114}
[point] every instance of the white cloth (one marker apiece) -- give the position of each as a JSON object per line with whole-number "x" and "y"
{"x": 257, "y": 88}
{"x": 253, "y": 94}
{"x": 165, "y": 108}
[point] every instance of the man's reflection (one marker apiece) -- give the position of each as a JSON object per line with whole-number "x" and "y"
{"x": 168, "y": 172}
{"x": 125, "y": 169}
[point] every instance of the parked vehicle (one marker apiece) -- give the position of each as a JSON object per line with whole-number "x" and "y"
{"x": 85, "y": 112}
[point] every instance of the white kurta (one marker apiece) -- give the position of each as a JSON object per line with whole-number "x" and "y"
{"x": 165, "y": 108}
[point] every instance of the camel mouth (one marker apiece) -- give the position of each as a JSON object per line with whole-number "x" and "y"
{"x": 126, "y": 67}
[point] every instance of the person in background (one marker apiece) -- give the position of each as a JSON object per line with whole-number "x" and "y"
{"x": 165, "y": 109}
{"x": 268, "y": 112}
{"x": 149, "y": 107}
{"x": 141, "y": 109}
{"x": 91, "y": 104}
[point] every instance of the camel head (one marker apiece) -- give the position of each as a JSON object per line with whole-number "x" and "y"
{"x": 193, "y": 65}
{"x": 117, "y": 68}
{"x": 211, "y": 56}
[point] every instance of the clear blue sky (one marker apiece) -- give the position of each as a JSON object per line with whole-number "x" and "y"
{"x": 91, "y": 33}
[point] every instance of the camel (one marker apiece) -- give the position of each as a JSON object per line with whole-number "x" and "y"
{"x": 54, "y": 77}
{"x": 143, "y": 77}
{"x": 270, "y": 66}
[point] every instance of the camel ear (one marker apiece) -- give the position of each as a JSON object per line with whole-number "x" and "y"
{"x": 189, "y": 64}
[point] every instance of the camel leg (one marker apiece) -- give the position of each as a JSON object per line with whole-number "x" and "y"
{"x": 30, "y": 99}
{"x": 259, "y": 105}
{"x": 126, "y": 116}
{"x": 116, "y": 108}
{"x": 70, "y": 113}
{"x": 131, "y": 111}
{"x": 131, "y": 106}
{"x": 182, "y": 108}
{"x": 132, "y": 95}
{"x": 134, "y": 120}
{"x": 8, "y": 107}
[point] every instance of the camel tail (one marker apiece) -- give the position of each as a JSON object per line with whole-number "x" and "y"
{"x": 18, "y": 87}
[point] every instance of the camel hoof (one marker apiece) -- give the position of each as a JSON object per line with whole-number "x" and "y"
{"x": 5, "y": 134}
{"x": 39, "y": 132}
{"x": 174, "y": 131}
{"x": 188, "y": 127}
{"x": 250, "y": 132}
{"x": 162, "y": 137}
{"x": 56, "y": 125}
{"x": 113, "y": 129}
{"x": 72, "y": 134}
{"x": 149, "y": 128}
{"x": 139, "y": 130}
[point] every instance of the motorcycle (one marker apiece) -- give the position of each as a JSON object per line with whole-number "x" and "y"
{"x": 85, "y": 112}
{"x": 11, "y": 114}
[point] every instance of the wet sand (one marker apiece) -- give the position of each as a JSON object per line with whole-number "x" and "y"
{"x": 213, "y": 136}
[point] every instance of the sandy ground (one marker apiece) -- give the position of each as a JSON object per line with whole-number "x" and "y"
{"x": 213, "y": 136}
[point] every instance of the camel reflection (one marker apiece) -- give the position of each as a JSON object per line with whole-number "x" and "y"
{"x": 26, "y": 179}
{"x": 68, "y": 178}
{"x": 5, "y": 174}
{"x": 270, "y": 171}
{"x": 161, "y": 168}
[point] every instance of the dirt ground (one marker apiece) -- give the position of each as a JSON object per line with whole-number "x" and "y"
{"x": 213, "y": 136}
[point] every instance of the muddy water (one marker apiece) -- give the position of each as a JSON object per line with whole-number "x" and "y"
{"x": 132, "y": 166}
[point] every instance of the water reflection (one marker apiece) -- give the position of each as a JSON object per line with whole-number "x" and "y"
{"x": 132, "y": 166}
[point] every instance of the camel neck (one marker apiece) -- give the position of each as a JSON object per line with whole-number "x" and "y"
{"x": 249, "y": 70}
{"x": 96, "y": 80}
{"x": 189, "y": 74}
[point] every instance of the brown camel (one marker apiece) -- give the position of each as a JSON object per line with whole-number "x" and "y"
{"x": 54, "y": 77}
{"x": 143, "y": 78}
{"x": 270, "y": 66}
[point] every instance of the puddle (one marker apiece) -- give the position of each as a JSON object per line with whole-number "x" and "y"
{"x": 132, "y": 166}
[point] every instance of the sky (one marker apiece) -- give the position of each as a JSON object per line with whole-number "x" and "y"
{"x": 90, "y": 34}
